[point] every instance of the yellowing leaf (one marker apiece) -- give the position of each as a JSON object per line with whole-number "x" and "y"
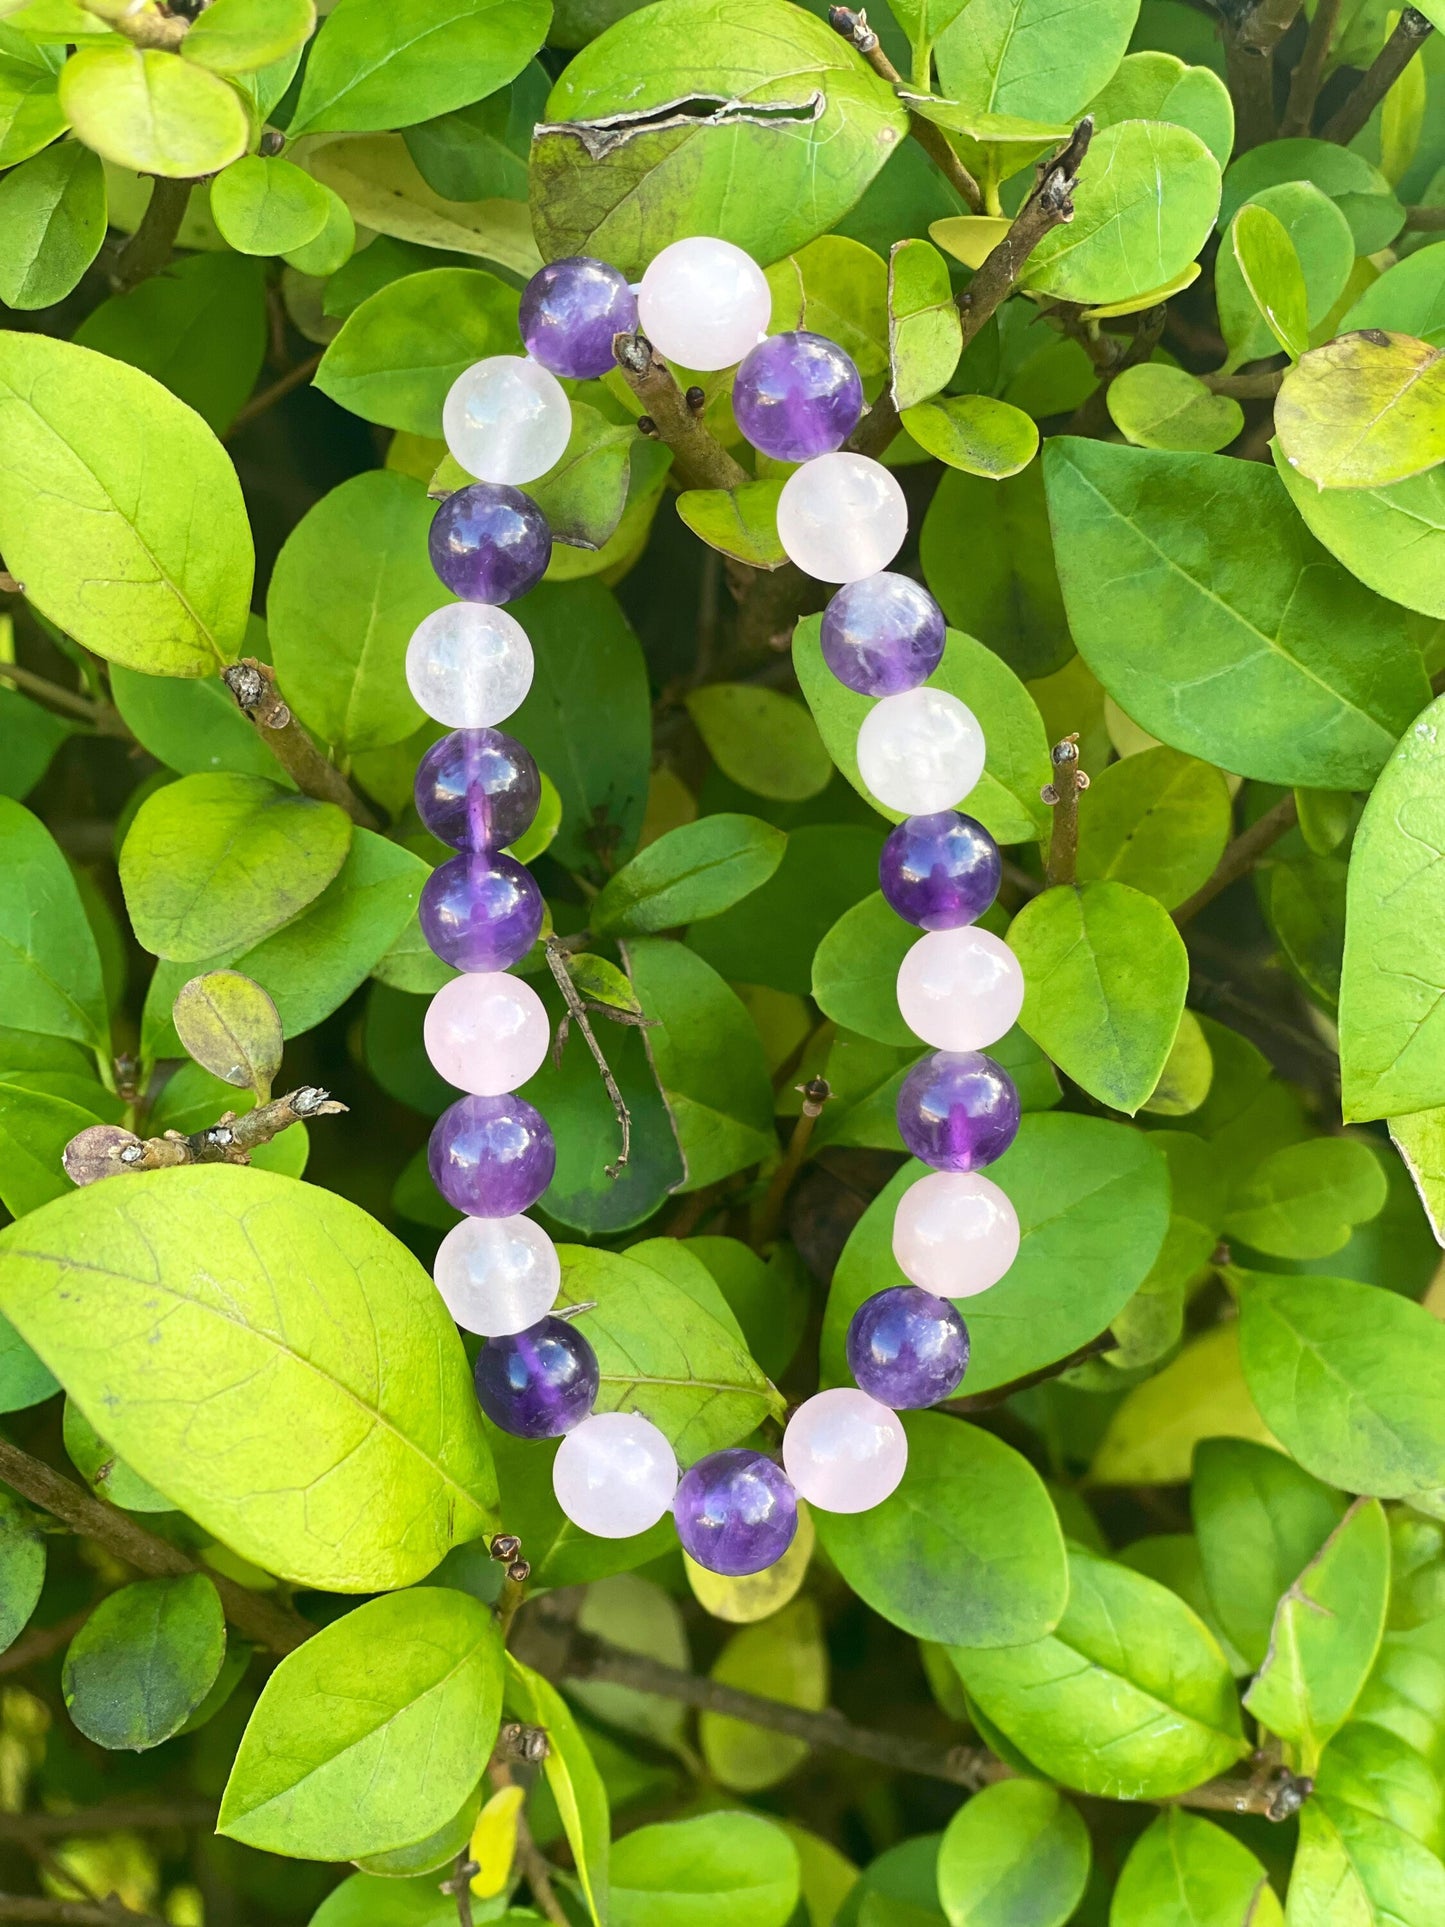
{"x": 1202, "y": 1395}
{"x": 1364, "y": 411}
{"x": 494, "y": 1840}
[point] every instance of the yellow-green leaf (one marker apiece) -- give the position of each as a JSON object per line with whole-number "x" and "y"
{"x": 1364, "y": 411}
{"x": 152, "y": 111}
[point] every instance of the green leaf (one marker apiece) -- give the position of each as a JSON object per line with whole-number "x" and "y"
{"x": 1353, "y": 1868}
{"x": 32, "y": 735}
{"x": 771, "y": 936}
{"x": 103, "y": 1470}
{"x": 975, "y": 433}
{"x": 39, "y": 1115}
{"x": 240, "y": 36}
{"x": 1158, "y": 821}
{"x": 230, "y": 1027}
{"x": 400, "y": 351}
{"x": 100, "y": 455}
{"x": 1260, "y": 1520}
{"x": 327, "y": 1773}
{"x": 1419, "y": 1137}
{"x": 333, "y": 247}
{"x": 737, "y": 1867}
{"x": 144, "y": 1660}
{"x": 149, "y": 111}
{"x": 762, "y": 740}
{"x": 784, "y": 1659}
{"x": 481, "y": 150}
{"x": 1368, "y": 1766}
{"x": 1201, "y": 1394}
{"x": 1016, "y": 1851}
{"x": 1392, "y": 1036}
{"x": 50, "y": 977}
{"x": 1105, "y": 972}
{"x": 1032, "y": 58}
{"x": 310, "y": 1338}
{"x": 988, "y": 557}
{"x": 1155, "y": 406}
{"x": 837, "y": 287}
{"x": 741, "y": 522}
{"x": 1409, "y": 296}
{"x": 1218, "y": 624}
{"x": 378, "y": 1900}
{"x": 1183, "y": 1871}
{"x": 1318, "y": 236}
{"x": 1159, "y": 86}
{"x": 583, "y": 496}
{"x": 266, "y": 205}
{"x": 214, "y": 863}
{"x": 192, "y": 725}
{"x": 30, "y": 115}
{"x": 695, "y": 871}
{"x": 24, "y": 1380}
{"x": 1326, "y": 1633}
{"x": 1392, "y": 538}
{"x": 1266, "y": 258}
{"x": 1131, "y": 1698}
{"x": 855, "y": 970}
{"x": 617, "y": 172}
{"x": 1360, "y": 191}
{"x": 1364, "y": 411}
{"x": 925, "y": 334}
{"x": 52, "y": 220}
{"x": 22, "y": 1568}
{"x": 379, "y": 65}
{"x": 770, "y": 1301}
{"x": 1305, "y": 1200}
{"x": 1006, "y": 798}
{"x": 572, "y": 1779}
{"x": 350, "y": 585}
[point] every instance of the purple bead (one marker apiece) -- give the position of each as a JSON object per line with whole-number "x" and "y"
{"x": 480, "y": 912}
{"x": 490, "y": 543}
{"x": 491, "y": 1157}
{"x": 883, "y": 634}
{"x": 907, "y": 1348}
{"x": 940, "y": 871}
{"x": 736, "y": 1512}
{"x": 796, "y": 396}
{"x": 958, "y": 1110}
{"x": 477, "y": 789}
{"x": 539, "y": 1383}
{"x": 571, "y": 310}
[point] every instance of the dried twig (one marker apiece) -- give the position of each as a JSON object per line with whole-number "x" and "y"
{"x": 556, "y": 952}
{"x": 1412, "y": 30}
{"x": 1049, "y": 205}
{"x": 107, "y": 1151}
{"x": 860, "y": 36}
{"x": 253, "y": 684}
{"x": 102, "y": 717}
{"x": 1062, "y": 796}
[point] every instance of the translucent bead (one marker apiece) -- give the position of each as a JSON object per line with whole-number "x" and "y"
{"x": 907, "y": 1348}
{"x": 736, "y": 1513}
{"x": 921, "y": 751}
{"x": 704, "y": 303}
{"x": 477, "y": 789}
{"x": 843, "y": 1451}
{"x": 958, "y": 1110}
{"x": 940, "y": 871}
{"x": 507, "y": 419}
{"x": 796, "y": 396}
{"x": 883, "y": 634}
{"x": 539, "y": 1383}
{"x": 497, "y": 1275}
{"x": 960, "y": 989}
{"x": 841, "y": 517}
{"x": 955, "y": 1233}
{"x": 491, "y": 1156}
{"x": 481, "y": 912}
{"x": 469, "y": 665}
{"x": 489, "y": 543}
{"x": 486, "y": 1033}
{"x": 570, "y": 311}
{"x": 614, "y": 1475}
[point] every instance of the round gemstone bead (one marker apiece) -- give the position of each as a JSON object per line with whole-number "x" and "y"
{"x": 736, "y": 1513}
{"x": 614, "y": 1475}
{"x": 497, "y": 1275}
{"x": 958, "y": 1110}
{"x": 486, "y": 1033}
{"x": 841, "y": 517}
{"x": 704, "y": 303}
{"x": 507, "y": 419}
{"x": 570, "y": 311}
{"x": 489, "y": 544}
{"x": 480, "y": 912}
{"x": 960, "y": 989}
{"x": 469, "y": 665}
{"x": 538, "y": 1383}
{"x": 920, "y": 751}
{"x": 907, "y": 1348}
{"x": 491, "y": 1156}
{"x": 883, "y": 634}
{"x": 477, "y": 789}
{"x": 955, "y": 1233}
{"x": 940, "y": 871}
{"x": 843, "y": 1451}
{"x": 796, "y": 396}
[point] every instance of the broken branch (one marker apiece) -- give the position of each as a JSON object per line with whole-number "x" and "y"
{"x": 935, "y": 143}
{"x": 253, "y": 684}
{"x": 105, "y": 1150}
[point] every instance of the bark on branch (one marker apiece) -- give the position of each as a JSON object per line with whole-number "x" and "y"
{"x": 860, "y": 36}
{"x": 1241, "y": 855}
{"x": 1049, "y": 205}
{"x": 149, "y": 249}
{"x": 1062, "y": 796}
{"x": 105, "y": 1150}
{"x": 1411, "y": 32}
{"x": 253, "y": 684}
{"x": 1251, "y": 33}
{"x": 698, "y": 461}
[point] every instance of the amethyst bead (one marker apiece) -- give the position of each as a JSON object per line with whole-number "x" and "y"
{"x": 477, "y": 789}
{"x": 490, "y": 543}
{"x": 796, "y": 396}
{"x": 539, "y": 1383}
{"x": 736, "y": 1512}
{"x": 958, "y": 1110}
{"x": 940, "y": 871}
{"x": 480, "y": 912}
{"x": 883, "y": 634}
{"x": 491, "y": 1157}
{"x": 570, "y": 311}
{"x": 907, "y": 1348}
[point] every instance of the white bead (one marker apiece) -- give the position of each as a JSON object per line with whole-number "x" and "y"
{"x": 486, "y": 1033}
{"x": 843, "y": 1451}
{"x": 469, "y": 665}
{"x": 921, "y": 751}
{"x": 704, "y": 303}
{"x": 960, "y": 989}
{"x": 955, "y": 1233}
{"x": 614, "y": 1474}
{"x": 842, "y": 516}
{"x": 507, "y": 419}
{"x": 497, "y": 1275}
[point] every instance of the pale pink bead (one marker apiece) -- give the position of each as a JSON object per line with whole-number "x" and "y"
{"x": 843, "y": 1451}
{"x": 960, "y": 989}
{"x": 955, "y": 1233}
{"x": 486, "y": 1033}
{"x": 614, "y": 1474}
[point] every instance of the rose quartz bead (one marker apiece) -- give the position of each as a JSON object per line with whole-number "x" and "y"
{"x": 960, "y": 989}
{"x": 614, "y": 1474}
{"x": 955, "y": 1233}
{"x": 486, "y": 1033}
{"x": 843, "y": 1451}
{"x": 497, "y": 1276}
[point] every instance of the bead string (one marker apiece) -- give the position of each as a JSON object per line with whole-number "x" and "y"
{"x": 797, "y": 397}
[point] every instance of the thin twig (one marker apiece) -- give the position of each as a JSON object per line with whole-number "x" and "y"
{"x": 556, "y": 954}
{"x": 460, "y": 1886}
{"x": 1262, "y": 387}
{"x": 149, "y": 249}
{"x": 1425, "y": 219}
{"x": 101, "y": 716}
{"x": 279, "y": 389}
{"x": 1049, "y": 205}
{"x": 860, "y": 36}
{"x": 816, "y": 1093}
{"x": 973, "y": 1402}
{"x": 1304, "y": 86}
{"x": 120, "y": 1816}
{"x": 1412, "y": 30}
{"x": 39, "y": 1643}
{"x": 1062, "y": 796}
{"x": 1241, "y": 855}
{"x": 253, "y": 684}
{"x": 110, "y": 1152}
{"x": 74, "y": 1913}
{"x": 1251, "y": 34}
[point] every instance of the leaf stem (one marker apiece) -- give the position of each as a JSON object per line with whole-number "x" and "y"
{"x": 556, "y": 953}
{"x": 253, "y": 684}
{"x": 102, "y": 717}
{"x": 1050, "y": 204}
{"x": 1412, "y": 30}
{"x": 999, "y": 1394}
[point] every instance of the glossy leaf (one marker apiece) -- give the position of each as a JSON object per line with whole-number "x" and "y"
{"x": 145, "y": 109}
{"x": 144, "y": 1660}
{"x": 1184, "y": 1871}
{"x": 572, "y": 1780}
{"x": 267, "y": 205}
{"x": 988, "y": 557}
{"x": 734, "y": 1866}
{"x": 1201, "y": 1394}
{"x": 975, "y": 433}
{"x": 1158, "y": 821}
{"x": 1160, "y": 86}
{"x": 379, "y": 182}
{"x": 241, "y": 36}
{"x": 1364, "y": 411}
{"x": 1305, "y": 1200}
{"x": 1032, "y": 59}
{"x": 1352, "y": 1866}
{"x": 50, "y": 980}
{"x": 52, "y": 215}
{"x": 763, "y": 740}
{"x": 1392, "y": 538}
{"x": 1016, "y": 1851}
{"x": 1271, "y": 269}
{"x": 22, "y": 1568}
{"x": 697, "y": 870}
{"x": 783, "y": 1658}
{"x": 231, "y": 1028}
{"x": 925, "y": 334}
{"x": 1316, "y": 234}
{"x": 855, "y": 970}
{"x": 1358, "y": 189}
{"x": 741, "y": 522}
{"x": 1155, "y": 406}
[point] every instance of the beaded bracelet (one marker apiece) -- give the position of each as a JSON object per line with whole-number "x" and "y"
{"x": 797, "y": 397}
